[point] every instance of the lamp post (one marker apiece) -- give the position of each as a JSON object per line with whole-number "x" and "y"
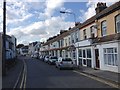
{"x": 4, "y": 39}
{"x": 70, "y": 13}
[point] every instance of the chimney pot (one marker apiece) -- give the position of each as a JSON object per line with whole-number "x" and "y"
{"x": 100, "y": 6}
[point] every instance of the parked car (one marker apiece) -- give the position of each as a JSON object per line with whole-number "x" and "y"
{"x": 35, "y": 55}
{"x": 32, "y": 56}
{"x": 52, "y": 59}
{"x": 42, "y": 58}
{"x": 63, "y": 63}
{"x": 46, "y": 58}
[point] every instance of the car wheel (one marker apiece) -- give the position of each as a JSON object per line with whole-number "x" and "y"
{"x": 60, "y": 68}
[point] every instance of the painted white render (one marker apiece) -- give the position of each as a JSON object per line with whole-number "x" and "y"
{"x": 10, "y": 47}
{"x": 0, "y": 57}
{"x": 119, "y": 57}
{"x": 83, "y": 43}
{"x": 54, "y": 45}
{"x": 104, "y": 66}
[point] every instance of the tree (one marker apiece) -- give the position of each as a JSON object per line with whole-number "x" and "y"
{"x": 19, "y": 45}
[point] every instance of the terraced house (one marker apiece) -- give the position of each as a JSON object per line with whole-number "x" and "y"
{"x": 99, "y": 39}
{"x": 107, "y": 45}
{"x": 61, "y": 45}
{"x": 94, "y": 43}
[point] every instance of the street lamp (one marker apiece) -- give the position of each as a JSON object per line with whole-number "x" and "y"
{"x": 70, "y": 13}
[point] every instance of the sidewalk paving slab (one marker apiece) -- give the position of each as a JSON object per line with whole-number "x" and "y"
{"x": 9, "y": 80}
{"x": 106, "y": 75}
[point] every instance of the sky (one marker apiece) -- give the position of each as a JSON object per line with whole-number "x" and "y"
{"x": 37, "y": 20}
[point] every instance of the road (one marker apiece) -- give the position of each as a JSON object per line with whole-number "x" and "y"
{"x": 43, "y": 75}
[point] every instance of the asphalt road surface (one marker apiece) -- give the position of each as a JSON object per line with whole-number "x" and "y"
{"x": 43, "y": 75}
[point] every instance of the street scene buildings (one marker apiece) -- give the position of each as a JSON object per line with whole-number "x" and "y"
{"x": 91, "y": 50}
{"x": 10, "y": 47}
{"x": 94, "y": 43}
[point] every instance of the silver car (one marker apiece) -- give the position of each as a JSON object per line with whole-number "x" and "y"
{"x": 46, "y": 58}
{"x": 63, "y": 63}
{"x": 52, "y": 60}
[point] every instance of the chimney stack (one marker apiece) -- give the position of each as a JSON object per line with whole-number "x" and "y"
{"x": 77, "y": 23}
{"x": 62, "y": 31}
{"x": 100, "y": 6}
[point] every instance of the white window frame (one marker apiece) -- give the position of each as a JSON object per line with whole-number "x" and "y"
{"x": 92, "y": 31}
{"x": 117, "y": 20}
{"x": 86, "y": 57}
{"x": 109, "y": 55}
{"x": 104, "y": 28}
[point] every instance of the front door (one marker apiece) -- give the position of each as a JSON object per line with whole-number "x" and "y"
{"x": 97, "y": 58}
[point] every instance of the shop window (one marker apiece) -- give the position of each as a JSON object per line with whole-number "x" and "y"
{"x": 80, "y": 52}
{"x": 80, "y": 61}
{"x": 84, "y": 54}
{"x": 84, "y": 62}
{"x": 88, "y": 53}
{"x": 89, "y": 62}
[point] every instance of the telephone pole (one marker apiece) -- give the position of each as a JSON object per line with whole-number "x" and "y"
{"x": 4, "y": 39}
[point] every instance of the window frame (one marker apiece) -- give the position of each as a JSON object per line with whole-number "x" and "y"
{"x": 102, "y": 28}
{"x": 110, "y": 54}
{"x": 115, "y": 24}
{"x": 92, "y": 32}
{"x": 84, "y": 34}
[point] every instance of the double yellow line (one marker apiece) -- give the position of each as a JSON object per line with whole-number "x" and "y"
{"x": 24, "y": 76}
{"x": 21, "y": 81}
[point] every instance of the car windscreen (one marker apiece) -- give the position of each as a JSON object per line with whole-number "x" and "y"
{"x": 67, "y": 59}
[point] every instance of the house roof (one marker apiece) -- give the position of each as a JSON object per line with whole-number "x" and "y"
{"x": 103, "y": 13}
{"x": 25, "y": 47}
{"x": 61, "y": 36}
{"x": 57, "y": 48}
{"x": 109, "y": 10}
{"x": 107, "y": 38}
{"x": 88, "y": 21}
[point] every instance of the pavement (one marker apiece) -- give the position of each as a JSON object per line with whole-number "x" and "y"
{"x": 106, "y": 75}
{"x": 9, "y": 80}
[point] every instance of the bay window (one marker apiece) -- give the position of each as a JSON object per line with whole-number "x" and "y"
{"x": 110, "y": 56}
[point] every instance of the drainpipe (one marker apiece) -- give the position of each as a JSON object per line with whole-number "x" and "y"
{"x": 77, "y": 54}
{"x": 77, "y": 57}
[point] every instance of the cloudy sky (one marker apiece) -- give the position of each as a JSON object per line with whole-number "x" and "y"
{"x": 37, "y": 20}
